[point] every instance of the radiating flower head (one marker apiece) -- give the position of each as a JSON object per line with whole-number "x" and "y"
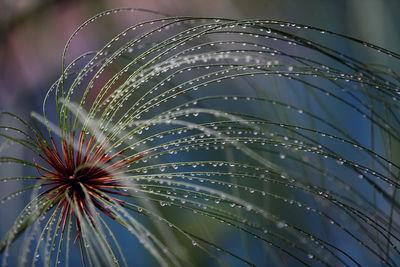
{"x": 210, "y": 140}
{"x": 76, "y": 174}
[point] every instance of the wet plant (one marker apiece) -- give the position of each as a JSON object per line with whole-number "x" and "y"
{"x": 210, "y": 141}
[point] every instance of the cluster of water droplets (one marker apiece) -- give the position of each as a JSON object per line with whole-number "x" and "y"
{"x": 231, "y": 119}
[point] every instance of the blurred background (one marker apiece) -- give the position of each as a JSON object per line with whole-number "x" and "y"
{"x": 33, "y": 34}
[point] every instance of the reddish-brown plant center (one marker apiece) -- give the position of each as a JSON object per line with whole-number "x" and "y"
{"x": 82, "y": 175}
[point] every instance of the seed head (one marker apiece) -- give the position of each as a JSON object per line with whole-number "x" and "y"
{"x": 80, "y": 174}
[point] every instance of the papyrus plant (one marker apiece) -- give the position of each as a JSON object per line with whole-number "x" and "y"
{"x": 185, "y": 132}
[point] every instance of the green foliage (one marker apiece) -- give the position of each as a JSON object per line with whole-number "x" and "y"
{"x": 256, "y": 131}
